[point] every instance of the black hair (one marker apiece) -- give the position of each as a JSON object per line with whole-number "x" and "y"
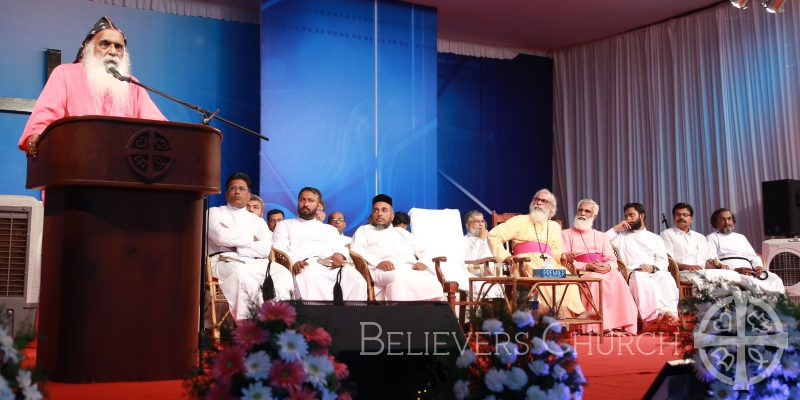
{"x": 241, "y": 176}
{"x": 400, "y": 218}
{"x": 273, "y": 212}
{"x": 716, "y": 214}
{"x": 683, "y": 205}
{"x": 312, "y": 190}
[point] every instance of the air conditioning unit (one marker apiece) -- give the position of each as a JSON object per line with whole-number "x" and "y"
{"x": 21, "y": 228}
{"x": 783, "y": 258}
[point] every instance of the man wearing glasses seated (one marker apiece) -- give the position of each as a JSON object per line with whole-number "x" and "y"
{"x": 336, "y": 219}
{"x": 239, "y": 245}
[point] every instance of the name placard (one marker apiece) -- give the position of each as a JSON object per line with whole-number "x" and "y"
{"x": 550, "y": 273}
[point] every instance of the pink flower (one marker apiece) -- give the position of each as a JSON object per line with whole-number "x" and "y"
{"x": 344, "y": 396}
{"x": 228, "y": 362}
{"x": 249, "y": 334}
{"x": 286, "y": 375}
{"x": 316, "y": 335}
{"x": 301, "y": 393}
{"x": 277, "y": 311}
{"x": 340, "y": 369}
{"x": 319, "y": 351}
{"x": 219, "y": 391}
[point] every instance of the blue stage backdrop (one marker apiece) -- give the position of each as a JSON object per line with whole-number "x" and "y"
{"x": 495, "y": 143}
{"x": 349, "y": 102}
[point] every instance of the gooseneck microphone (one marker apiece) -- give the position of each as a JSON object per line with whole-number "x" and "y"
{"x": 113, "y": 71}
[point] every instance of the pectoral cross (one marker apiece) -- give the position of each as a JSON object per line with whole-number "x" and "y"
{"x": 543, "y": 257}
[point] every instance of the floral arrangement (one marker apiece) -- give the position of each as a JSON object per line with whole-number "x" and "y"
{"x": 514, "y": 356}
{"x": 772, "y": 363}
{"x": 16, "y": 381}
{"x": 271, "y": 356}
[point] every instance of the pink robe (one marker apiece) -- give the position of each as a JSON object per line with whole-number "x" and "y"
{"x": 67, "y": 94}
{"x": 619, "y": 309}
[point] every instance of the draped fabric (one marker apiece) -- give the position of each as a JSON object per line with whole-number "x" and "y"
{"x": 191, "y": 8}
{"x": 699, "y": 109}
{"x": 483, "y": 50}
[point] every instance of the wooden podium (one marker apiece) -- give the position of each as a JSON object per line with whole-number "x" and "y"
{"x": 120, "y": 293}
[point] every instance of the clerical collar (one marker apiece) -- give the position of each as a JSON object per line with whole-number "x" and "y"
{"x": 680, "y": 231}
{"x": 234, "y": 209}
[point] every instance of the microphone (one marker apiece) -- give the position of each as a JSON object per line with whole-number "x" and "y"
{"x": 113, "y": 71}
{"x": 664, "y": 219}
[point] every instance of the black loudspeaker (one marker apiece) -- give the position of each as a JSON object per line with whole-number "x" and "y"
{"x": 52, "y": 58}
{"x": 676, "y": 380}
{"x": 389, "y": 347}
{"x": 781, "y": 207}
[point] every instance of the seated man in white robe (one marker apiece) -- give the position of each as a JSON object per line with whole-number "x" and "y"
{"x": 735, "y": 252}
{"x": 691, "y": 251}
{"x": 256, "y": 206}
{"x": 336, "y": 220}
{"x": 310, "y": 243}
{"x": 239, "y": 250}
{"x": 390, "y": 252}
{"x": 643, "y": 252}
{"x": 476, "y": 252}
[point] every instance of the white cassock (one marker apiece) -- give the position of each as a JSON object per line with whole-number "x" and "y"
{"x": 692, "y": 249}
{"x": 476, "y": 248}
{"x": 736, "y": 245}
{"x": 241, "y": 281}
{"x": 655, "y": 293}
{"x": 346, "y": 240}
{"x": 269, "y": 236}
{"x": 310, "y": 240}
{"x": 399, "y": 247}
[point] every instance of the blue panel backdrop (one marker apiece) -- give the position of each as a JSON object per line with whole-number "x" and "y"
{"x": 349, "y": 102}
{"x": 208, "y": 62}
{"x": 495, "y": 140}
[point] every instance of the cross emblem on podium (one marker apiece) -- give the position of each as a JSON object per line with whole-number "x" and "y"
{"x": 149, "y": 153}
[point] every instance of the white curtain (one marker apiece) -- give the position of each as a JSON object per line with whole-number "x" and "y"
{"x": 484, "y": 50}
{"x": 191, "y": 8}
{"x": 699, "y": 109}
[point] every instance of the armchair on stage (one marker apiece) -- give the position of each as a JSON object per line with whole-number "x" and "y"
{"x": 121, "y": 256}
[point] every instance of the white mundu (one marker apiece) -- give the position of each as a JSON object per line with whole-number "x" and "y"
{"x": 692, "y": 249}
{"x": 241, "y": 281}
{"x": 655, "y": 293}
{"x": 345, "y": 240}
{"x": 310, "y": 240}
{"x": 735, "y": 251}
{"x": 399, "y": 247}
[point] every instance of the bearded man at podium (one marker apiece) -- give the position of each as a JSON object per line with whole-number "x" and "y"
{"x": 85, "y": 87}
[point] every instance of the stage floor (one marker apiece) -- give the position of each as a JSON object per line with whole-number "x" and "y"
{"x": 622, "y": 368}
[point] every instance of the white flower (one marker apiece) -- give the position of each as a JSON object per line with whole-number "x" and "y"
{"x": 7, "y": 344}
{"x": 522, "y": 319}
{"x": 789, "y": 366}
{"x": 256, "y": 391}
{"x": 516, "y": 379}
{"x": 534, "y": 393}
{"x": 257, "y": 365}
{"x": 559, "y": 373}
{"x": 31, "y": 392}
{"x": 495, "y": 380}
{"x": 317, "y": 369}
{"x": 722, "y": 391}
{"x": 538, "y": 346}
{"x": 539, "y": 367}
{"x": 492, "y": 326}
{"x": 507, "y": 352}
{"x": 293, "y": 346}
{"x": 489, "y": 397}
{"x": 465, "y": 359}
{"x": 579, "y": 374}
{"x": 553, "y": 323}
{"x": 778, "y": 388}
{"x": 794, "y": 392}
{"x": 559, "y": 392}
{"x": 5, "y": 390}
{"x": 461, "y": 389}
{"x": 328, "y": 395}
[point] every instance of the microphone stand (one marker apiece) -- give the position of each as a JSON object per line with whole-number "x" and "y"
{"x": 207, "y": 117}
{"x": 664, "y": 220}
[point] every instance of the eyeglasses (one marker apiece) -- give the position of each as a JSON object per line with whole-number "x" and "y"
{"x": 240, "y": 188}
{"x": 337, "y": 219}
{"x": 684, "y": 215}
{"x": 542, "y": 201}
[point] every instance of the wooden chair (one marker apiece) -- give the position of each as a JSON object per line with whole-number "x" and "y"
{"x": 282, "y": 259}
{"x": 498, "y": 219}
{"x": 684, "y": 288}
{"x": 215, "y": 297}
{"x": 621, "y": 267}
{"x": 363, "y": 268}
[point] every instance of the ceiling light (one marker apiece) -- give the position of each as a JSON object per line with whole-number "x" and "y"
{"x": 739, "y": 3}
{"x": 773, "y": 6}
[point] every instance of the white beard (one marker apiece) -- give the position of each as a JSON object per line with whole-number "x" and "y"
{"x": 102, "y": 83}
{"x": 582, "y": 224}
{"x": 474, "y": 232}
{"x": 538, "y": 216}
{"x": 381, "y": 227}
